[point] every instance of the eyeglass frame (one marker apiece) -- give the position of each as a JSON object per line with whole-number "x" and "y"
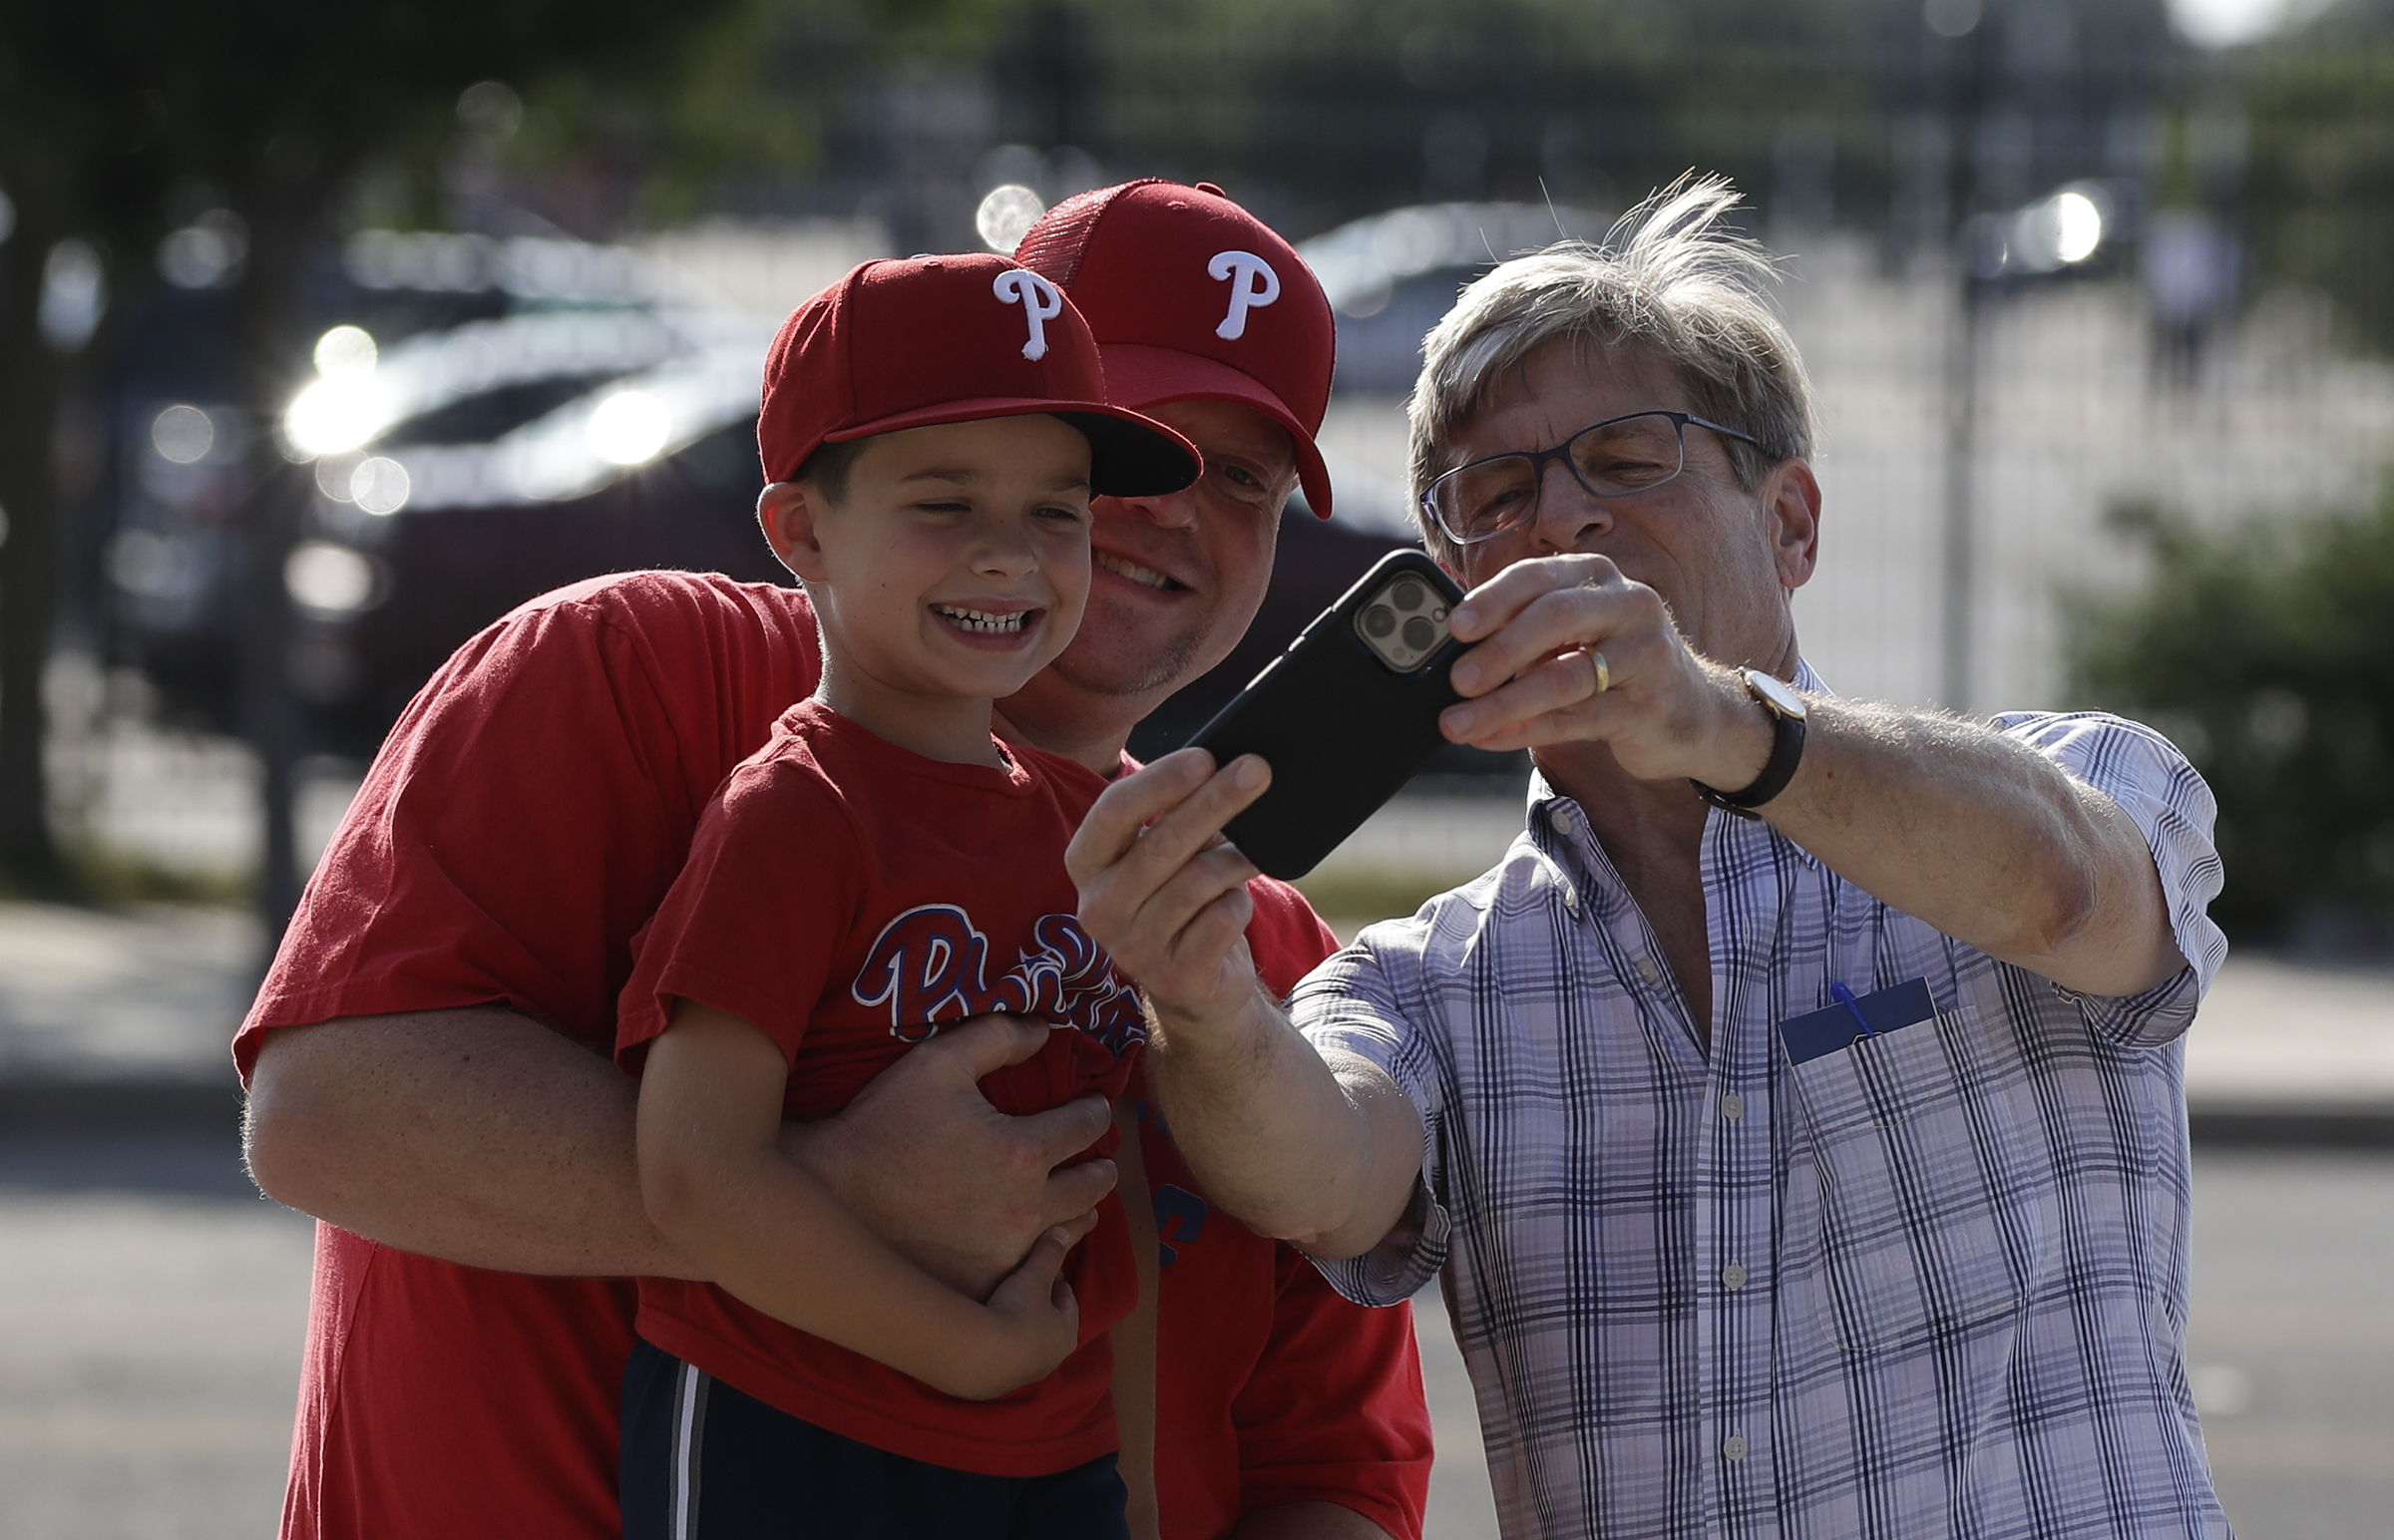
{"x": 1540, "y": 457}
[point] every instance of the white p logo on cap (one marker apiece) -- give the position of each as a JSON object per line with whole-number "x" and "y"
{"x": 1041, "y": 302}
{"x": 1252, "y": 284}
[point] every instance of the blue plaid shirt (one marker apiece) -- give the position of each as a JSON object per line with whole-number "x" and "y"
{"x": 1933, "y": 1283}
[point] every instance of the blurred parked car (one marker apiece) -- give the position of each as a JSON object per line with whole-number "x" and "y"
{"x": 486, "y": 421}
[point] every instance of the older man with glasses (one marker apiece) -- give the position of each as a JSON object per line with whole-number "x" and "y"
{"x": 1794, "y": 1112}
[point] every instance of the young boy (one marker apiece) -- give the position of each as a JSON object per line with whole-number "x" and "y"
{"x": 934, "y": 429}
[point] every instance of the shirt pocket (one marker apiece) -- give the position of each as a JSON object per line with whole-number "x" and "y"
{"x": 1925, "y": 1229}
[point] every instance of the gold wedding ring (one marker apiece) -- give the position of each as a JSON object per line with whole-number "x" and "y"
{"x": 1604, "y": 674}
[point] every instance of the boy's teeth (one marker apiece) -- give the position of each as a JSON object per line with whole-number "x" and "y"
{"x": 983, "y": 620}
{"x": 1133, "y": 571}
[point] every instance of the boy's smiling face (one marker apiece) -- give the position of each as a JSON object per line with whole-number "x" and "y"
{"x": 954, "y": 567}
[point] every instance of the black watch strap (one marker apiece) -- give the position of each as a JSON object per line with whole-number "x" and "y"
{"x": 1786, "y": 751}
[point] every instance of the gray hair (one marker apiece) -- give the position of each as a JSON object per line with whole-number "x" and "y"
{"x": 1669, "y": 278}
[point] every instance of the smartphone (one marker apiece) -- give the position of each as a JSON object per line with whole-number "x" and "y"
{"x": 1345, "y": 717}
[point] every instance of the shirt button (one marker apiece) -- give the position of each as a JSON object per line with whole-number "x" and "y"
{"x": 1647, "y": 970}
{"x": 1733, "y": 1276}
{"x": 1732, "y": 1106}
{"x": 1571, "y": 898}
{"x": 1734, "y": 1447}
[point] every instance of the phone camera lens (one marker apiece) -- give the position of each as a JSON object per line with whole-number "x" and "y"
{"x": 1407, "y": 596}
{"x": 1420, "y": 634}
{"x": 1378, "y": 622}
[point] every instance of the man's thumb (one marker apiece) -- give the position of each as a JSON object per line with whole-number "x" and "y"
{"x": 984, "y": 1044}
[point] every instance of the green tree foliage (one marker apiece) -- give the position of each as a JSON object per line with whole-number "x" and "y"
{"x": 1350, "y": 106}
{"x": 758, "y": 113}
{"x": 2262, "y": 651}
{"x": 2319, "y": 206}
{"x": 1336, "y": 108}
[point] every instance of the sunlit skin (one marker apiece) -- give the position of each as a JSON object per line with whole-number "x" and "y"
{"x": 955, "y": 568}
{"x": 1722, "y": 558}
{"x": 1176, "y": 581}
{"x": 1692, "y": 539}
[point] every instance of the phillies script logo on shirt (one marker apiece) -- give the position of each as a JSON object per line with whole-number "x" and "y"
{"x": 930, "y": 964}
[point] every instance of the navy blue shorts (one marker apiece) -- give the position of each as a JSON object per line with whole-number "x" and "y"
{"x": 701, "y": 1461}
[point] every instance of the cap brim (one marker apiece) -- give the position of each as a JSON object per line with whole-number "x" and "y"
{"x": 1129, "y": 456}
{"x": 1142, "y": 375}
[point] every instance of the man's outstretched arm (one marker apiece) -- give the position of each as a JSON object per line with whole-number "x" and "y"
{"x": 1942, "y": 818}
{"x": 1323, "y": 1153}
{"x": 479, "y": 1137}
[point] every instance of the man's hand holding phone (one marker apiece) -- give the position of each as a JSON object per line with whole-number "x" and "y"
{"x": 1262, "y": 1118}
{"x": 1160, "y": 889}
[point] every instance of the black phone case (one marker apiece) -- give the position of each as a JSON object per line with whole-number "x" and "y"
{"x": 1342, "y": 731}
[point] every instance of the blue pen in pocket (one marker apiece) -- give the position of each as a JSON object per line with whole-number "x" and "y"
{"x": 1850, "y": 1018}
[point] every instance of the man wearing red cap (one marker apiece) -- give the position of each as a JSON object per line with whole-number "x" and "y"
{"x": 419, "y": 1063}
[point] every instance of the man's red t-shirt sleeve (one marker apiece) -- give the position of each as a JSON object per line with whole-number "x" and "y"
{"x": 1335, "y": 1410}
{"x": 524, "y": 818}
{"x": 439, "y": 891}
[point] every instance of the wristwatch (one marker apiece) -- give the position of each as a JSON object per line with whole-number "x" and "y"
{"x": 1786, "y": 709}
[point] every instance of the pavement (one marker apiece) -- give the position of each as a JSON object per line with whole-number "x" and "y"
{"x": 151, "y": 1311}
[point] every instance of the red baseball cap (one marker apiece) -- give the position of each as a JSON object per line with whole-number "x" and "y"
{"x": 1194, "y": 298}
{"x": 945, "y": 339}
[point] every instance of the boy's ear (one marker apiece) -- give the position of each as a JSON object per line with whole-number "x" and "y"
{"x": 786, "y": 512}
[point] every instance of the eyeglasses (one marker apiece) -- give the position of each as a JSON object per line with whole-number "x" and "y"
{"x": 1616, "y": 458}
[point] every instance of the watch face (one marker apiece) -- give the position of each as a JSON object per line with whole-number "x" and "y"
{"x": 1775, "y": 692}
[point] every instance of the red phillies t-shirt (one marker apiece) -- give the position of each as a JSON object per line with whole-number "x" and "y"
{"x": 523, "y": 820}
{"x": 845, "y": 896}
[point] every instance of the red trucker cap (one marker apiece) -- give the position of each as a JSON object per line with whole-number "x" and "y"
{"x": 1194, "y": 298}
{"x": 945, "y": 339}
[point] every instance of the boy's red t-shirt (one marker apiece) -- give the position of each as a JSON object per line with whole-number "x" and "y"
{"x": 845, "y": 896}
{"x": 523, "y": 820}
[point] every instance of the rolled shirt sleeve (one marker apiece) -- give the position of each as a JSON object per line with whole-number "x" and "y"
{"x": 2172, "y": 807}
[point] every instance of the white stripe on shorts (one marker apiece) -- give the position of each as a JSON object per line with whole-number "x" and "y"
{"x": 689, "y": 1434}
